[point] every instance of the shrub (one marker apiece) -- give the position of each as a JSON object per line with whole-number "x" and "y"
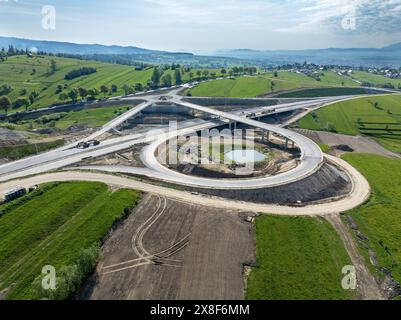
{"x": 79, "y": 72}
{"x": 70, "y": 278}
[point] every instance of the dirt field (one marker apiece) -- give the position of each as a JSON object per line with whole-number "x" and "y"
{"x": 172, "y": 250}
{"x": 358, "y": 143}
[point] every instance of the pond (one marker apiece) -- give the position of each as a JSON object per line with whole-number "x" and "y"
{"x": 245, "y": 156}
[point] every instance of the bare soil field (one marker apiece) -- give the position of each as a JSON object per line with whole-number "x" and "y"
{"x": 174, "y": 250}
{"x": 357, "y": 143}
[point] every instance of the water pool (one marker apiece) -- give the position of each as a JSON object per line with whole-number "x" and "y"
{"x": 245, "y": 156}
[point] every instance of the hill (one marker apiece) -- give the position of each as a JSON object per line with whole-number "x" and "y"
{"x": 119, "y": 54}
{"x": 74, "y": 48}
{"x": 387, "y": 56}
{"x": 375, "y": 117}
{"x": 25, "y": 75}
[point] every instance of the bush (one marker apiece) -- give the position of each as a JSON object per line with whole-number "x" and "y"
{"x": 79, "y": 72}
{"x": 5, "y": 89}
{"x": 70, "y": 278}
{"x": 330, "y": 127}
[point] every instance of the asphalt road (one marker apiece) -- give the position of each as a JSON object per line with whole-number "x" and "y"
{"x": 310, "y": 161}
{"x": 360, "y": 192}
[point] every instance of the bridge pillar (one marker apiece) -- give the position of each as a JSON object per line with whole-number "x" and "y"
{"x": 268, "y": 136}
{"x": 286, "y": 142}
{"x": 292, "y": 144}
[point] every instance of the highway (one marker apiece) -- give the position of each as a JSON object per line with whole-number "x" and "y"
{"x": 310, "y": 161}
{"x": 359, "y": 194}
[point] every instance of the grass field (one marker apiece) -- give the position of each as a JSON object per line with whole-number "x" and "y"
{"x": 13, "y": 153}
{"x": 377, "y": 117}
{"x": 33, "y": 74}
{"x": 52, "y": 228}
{"x": 298, "y": 258}
{"x": 242, "y": 87}
{"x": 18, "y": 72}
{"x": 375, "y": 79}
{"x": 92, "y": 118}
{"x": 380, "y": 218}
{"x": 322, "y": 92}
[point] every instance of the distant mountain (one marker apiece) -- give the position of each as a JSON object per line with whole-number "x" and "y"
{"x": 387, "y": 56}
{"x": 393, "y": 47}
{"x": 119, "y": 54}
{"x": 74, "y": 48}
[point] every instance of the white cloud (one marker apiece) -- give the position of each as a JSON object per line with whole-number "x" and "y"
{"x": 327, "y": 16}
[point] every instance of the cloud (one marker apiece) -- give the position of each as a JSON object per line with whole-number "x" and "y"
{"x": 347, "y": 16}
{"x": 206, "y": 12}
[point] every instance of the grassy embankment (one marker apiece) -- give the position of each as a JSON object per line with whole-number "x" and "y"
{"x": 297, "y": 258}
{"x": 380, "y": 218}
{"x": 91, "y": 118}
{"x": 241, "y": 87}
{"x": 52, "y": 227}
{"x": 13, "y": 153}
{"x": 322, "y": 92}
{"x": 376, "y": 117}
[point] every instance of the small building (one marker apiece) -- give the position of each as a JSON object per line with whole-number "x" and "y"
{"x": 14, "y": 194}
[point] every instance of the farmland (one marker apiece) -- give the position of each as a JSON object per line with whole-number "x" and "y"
{"x": 375, "y": 79}
{"x": 52, "y": 226}
{"x": 297, "y": 258}
{"x": 376, "y": 117}
{"x": 34, "y": 74}
{"x": 28, "y": 75}
{"x": 380, "y": 218}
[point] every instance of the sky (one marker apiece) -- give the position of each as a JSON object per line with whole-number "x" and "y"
{"x": 203, "y": 26}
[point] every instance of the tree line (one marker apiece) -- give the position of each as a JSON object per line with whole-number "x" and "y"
{"x": 79, "y": 73}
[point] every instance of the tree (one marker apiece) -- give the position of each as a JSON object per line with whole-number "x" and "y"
{"x": 104, "y": 89}
{"x": 22, "y": 102}
{"x": 114, "y": 88}
{"x": 191, "y": 75}
{"x": 53, "y": 66}
{"x": 126, "y": 89}
{"x": 156, "y": 77}
{"x": 5, "y": 103}
{"x": 92, "y": 94}
{"x": 5, "y": 89}
{"x": 178, "y": 76}
{"x": 223, "y": 71}
{"x": 73, "y": 95}
{"x": 83, "y": 92}
{"x": 138, "y": 87}
{"x": 59, "y": 89}
{"x": 275, "y": 74}
{"x": 167, "y": 80}
{"x": 199, "y": 73}
{"x": 63, "y": 96}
